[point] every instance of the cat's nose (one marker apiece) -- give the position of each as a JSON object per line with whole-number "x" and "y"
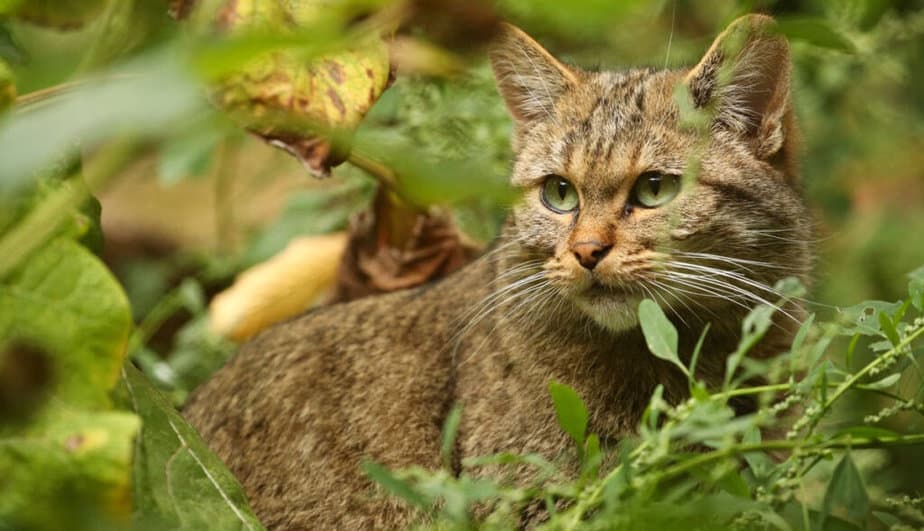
{"x": 589, "y": 253}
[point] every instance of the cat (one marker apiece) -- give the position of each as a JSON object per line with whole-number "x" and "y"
{"x": 623, "y": 198}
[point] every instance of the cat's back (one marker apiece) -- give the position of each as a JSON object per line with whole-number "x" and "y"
{"x": 297, "y": 408}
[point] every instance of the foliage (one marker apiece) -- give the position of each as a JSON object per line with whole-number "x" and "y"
{"x": 95, "y": 92}
{"x": 752, "y": 472}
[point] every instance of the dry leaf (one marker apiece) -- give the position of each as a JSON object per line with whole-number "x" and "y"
{"x": 299, "y": 277}
{"x": 396, "y": 247}
{"x": 299, "y": 104}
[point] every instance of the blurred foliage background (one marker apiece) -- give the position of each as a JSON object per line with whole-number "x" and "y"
{"x": 119, "y": 133}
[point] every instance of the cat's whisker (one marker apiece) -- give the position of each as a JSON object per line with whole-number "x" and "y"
{"x": 695, "y": 289}
{"x": 663, "y": 302}
{"x": 484, "y": 307}
{"x": 514, "y": 313}
{"x": 715, "y": 272}
{"x": 740, "y": 262}
{"x": 657, "y": 287}
{"x": 729, "y": 289}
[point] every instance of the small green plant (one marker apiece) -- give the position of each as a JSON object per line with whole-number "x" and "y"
{"x": 698, "y": 465}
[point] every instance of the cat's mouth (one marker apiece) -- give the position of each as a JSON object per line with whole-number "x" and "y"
{"x": 597, "y": 290}
{"x": 611, "y": 306}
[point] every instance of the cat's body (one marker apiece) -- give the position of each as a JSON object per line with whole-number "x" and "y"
{"x": 298, "y": 409}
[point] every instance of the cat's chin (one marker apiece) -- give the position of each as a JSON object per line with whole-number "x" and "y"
{"x": 615, "y": 314}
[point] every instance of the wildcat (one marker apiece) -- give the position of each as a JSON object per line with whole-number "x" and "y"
{"x": 622, "y": 198}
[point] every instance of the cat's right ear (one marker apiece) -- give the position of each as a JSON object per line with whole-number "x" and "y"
{"x": 746, "y": 76}
{"x": 528, "y": 77}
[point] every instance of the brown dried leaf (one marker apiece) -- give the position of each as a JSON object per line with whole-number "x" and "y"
{"x": 299, "y": 277}
{"x": 396, "y": 247}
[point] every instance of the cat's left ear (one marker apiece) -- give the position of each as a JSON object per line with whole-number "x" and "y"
{"x": 745, "y": 78}
{"x": 528, "y": 77}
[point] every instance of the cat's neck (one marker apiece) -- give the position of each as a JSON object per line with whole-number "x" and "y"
{"x": 516, "y": 323}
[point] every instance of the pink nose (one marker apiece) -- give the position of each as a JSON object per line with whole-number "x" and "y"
{"x": 589, "y": 253}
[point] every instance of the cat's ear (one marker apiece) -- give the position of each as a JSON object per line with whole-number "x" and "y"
{"x": 528, "y": 77}
{"x": 745, "y": 79}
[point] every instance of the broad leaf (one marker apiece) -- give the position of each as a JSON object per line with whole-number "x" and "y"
{"x": 65, "y": 300}
{"x": 178, "y": 483}
{"x": 846, "y": 494}
{"x": 68, "y": 467}
{"x": 884, "y": 383}
{"x": 660, "y": 334}
{"x": 571, "y": 412}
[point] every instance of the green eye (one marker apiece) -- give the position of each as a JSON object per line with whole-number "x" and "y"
{"x": 559, "y": 195}
{"x": 653, "y": 189}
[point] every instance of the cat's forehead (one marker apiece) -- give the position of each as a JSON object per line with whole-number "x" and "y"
{"x": 615, "y": 125}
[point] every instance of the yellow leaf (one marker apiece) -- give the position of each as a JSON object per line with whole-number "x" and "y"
{"x": 299, "y": 277}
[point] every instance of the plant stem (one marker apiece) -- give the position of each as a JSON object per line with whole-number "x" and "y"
{"x": 854, "y": 378}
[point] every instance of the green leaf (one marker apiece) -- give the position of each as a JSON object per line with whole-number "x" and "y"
{"x": 759, "y": 462}
{"x": 571, "y": 412}
{"x": 450, "y": 430}
{"x": 817, "y": 32}
{"x": 69, "y": 467}
{"x": 660, "y": 334}
{"x": 694, "y": 359}
{"x": 884, "y": 383}
{"x": 865, "y": 317}
{"x": 66, "y": 301}
{"x": 158, "y": 79}
{"x": 888, "y": 328}
{"x": 846, "y": 493}
{"x": 70, "y": 470}
{"x": 187, "y": 154}
{"x": 865, "y": 432}
{"x": 887, "y": 519}
{"x": 7, "y": 86}
{"x": 916, "y": 288}
{"x": 394, "y": 485}
{"x": 178, "y": 482}
{"x": 590, "y": 466}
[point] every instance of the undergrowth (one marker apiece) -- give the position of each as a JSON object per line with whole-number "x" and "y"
{"x": 803, "y": 460}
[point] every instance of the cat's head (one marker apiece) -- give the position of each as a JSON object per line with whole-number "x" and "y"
{"x": 626, "y": 197}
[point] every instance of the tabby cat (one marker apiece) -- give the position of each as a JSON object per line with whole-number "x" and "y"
{"x": 623, "y": 197}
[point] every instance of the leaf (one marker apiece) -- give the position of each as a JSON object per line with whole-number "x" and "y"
{"x": 865, "y": 432}
{"x": 66, "y": 301}
{"x": 817, "y": 32}
{"x": 450, "y": 430}
{"x": 187, "y": 154}
{"x": 883, "y": 383}
{"x": 7, "y": 86}
{"x": 304, "y": 106}
{"x": 863, "y": 318}
{"x": 590, "y": 466}
{"x": 70, "y": 470}
{"x": 60, "y": 14}
{"x": 394, "y": 485}
{"x": 888, "y": 328}
{"x": 157, "y": 78}
{"x": 760, "y": 463}
{"x": 915, "y": 287}
{"x": 398, "y": 246}
{"x": 846, "y": 493}
{"x": 571, "y": 413}
{"x": 286, "y": 285}
{"x": 888, "y": 520}
{"x": 312, "y": 212}
{"x": 660, "y": 334}
{"x": 69, "y": 466}
{"x": 177, "y": 481}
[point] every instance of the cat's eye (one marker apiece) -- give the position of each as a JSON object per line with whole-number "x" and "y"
{"x": 653, "y": 189}
{"x": 559, "y": 195}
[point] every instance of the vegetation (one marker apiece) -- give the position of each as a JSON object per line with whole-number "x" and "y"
{"x": 105, "y": 328}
